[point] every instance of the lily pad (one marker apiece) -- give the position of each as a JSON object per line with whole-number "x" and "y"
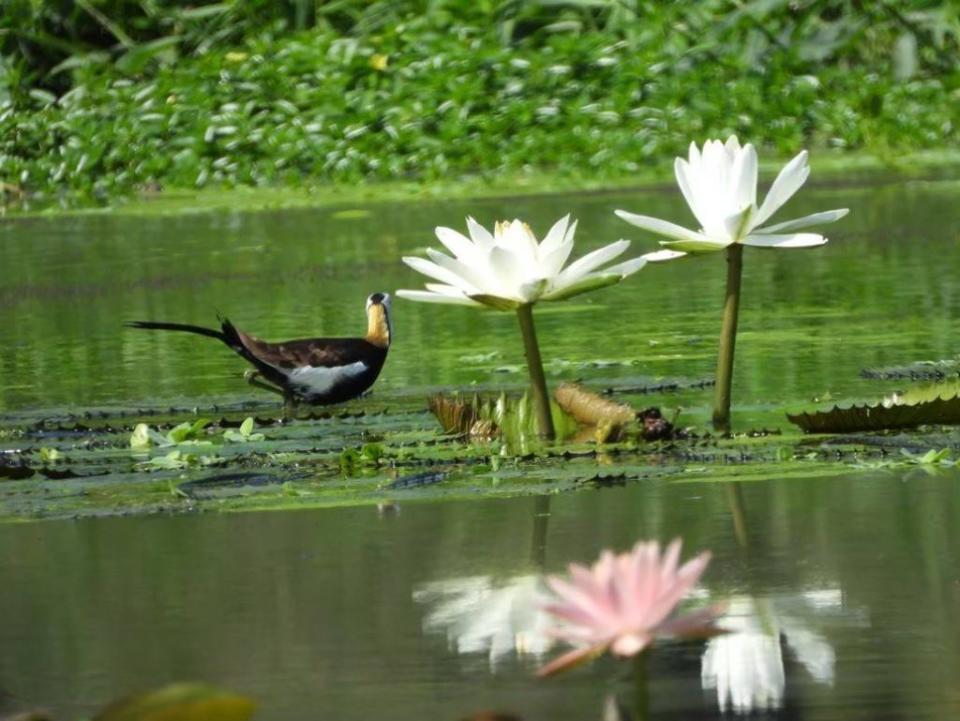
{"x": 892, "y": 413}
{"x": 180, "y": 702}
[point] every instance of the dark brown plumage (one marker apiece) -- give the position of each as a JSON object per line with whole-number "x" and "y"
{"x": 319, "y": 371}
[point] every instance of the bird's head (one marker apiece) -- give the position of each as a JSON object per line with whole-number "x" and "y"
{"x": 378, "y": 320}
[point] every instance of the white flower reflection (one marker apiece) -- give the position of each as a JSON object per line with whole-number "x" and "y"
{"x": 482, "y": 615}
{"x": 745, "y": 666}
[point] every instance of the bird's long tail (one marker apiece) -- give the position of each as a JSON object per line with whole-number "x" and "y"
{"x": 182, "y": 327}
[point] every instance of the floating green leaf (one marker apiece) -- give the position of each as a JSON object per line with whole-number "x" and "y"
{"x": 181, "y": 702}
{"x": 244, "y": 433}
{"x": 894, "y": 412}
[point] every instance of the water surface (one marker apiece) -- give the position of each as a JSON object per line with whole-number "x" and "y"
{"x": 879, "y": 293}
{"x": 848, "y": 587}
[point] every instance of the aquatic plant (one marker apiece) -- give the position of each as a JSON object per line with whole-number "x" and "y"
{"x": 720, "y": 186}
{"x": 624, "y": 602}
{"x": 510, "y": 270}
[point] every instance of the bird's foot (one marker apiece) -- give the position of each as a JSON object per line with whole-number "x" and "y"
{"x": 256, "y": 380}
{"x": 290, "y": 405}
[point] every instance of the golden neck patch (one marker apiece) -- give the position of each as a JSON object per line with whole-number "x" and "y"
{"x": 378, "y": 326}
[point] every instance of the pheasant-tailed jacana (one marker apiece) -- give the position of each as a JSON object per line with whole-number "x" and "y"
{"x": 319, "y": 371}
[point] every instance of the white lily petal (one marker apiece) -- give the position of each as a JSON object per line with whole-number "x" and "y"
{"x": 505, "y": 265}
{"x": 687, "y": 180}
{"x": 696, "y": 246}
{"x": 553, "y": 262}
{"x": 786, "y": 240}
{"x": 737, "y": 225}
{"x": 827, "y": 216}
{"x": 437, "y": 273}
{"x": 531, "y": 291}
{"x": 590, "y": 262}
{"x": 660, "y": 227}
{"x": 481, "y": 236}
{"x": 788, "y": 182}
{"x": 473, "y": 280}
{"x": 628, "y": 267}
{"x": 555, "y": 237}
{"x": 744, "y": 177}
{"x": 441, "y": 289}
{"x": 661, "y": 256}
{"x": 517, "y": 237}
{"x": 424, "y": 296}
{"x": 458, "y": 244}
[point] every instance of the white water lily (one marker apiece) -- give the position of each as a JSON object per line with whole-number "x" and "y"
{"x": 720, "y": 186}
{"x": 510, "y": 268}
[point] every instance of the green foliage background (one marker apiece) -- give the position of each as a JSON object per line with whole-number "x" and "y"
{"x": 101, "y": 97}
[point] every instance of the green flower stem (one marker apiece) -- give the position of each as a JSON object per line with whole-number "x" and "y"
{"x": 641, "y": 680}
{"x": 728, "y": 340}
{"x": 538, "y": 383}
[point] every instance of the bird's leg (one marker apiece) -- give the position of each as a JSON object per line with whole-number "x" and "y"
{"x": 256, "y": 380}
{"x": 290, "y": 404}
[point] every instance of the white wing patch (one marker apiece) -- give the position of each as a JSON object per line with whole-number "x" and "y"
{"x": 320, "y": 380}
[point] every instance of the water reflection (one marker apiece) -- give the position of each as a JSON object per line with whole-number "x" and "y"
{"x": 480, "y": 614}
{"x": 745, "y": 667}
{"x": 496, "y": 616}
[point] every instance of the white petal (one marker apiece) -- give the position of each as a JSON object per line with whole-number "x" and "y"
{"x": 738, "y": 224}
{"x": 441, "y": 289}
{"x": 458, "y": 244}
{"x": 628, "y": 267}
{"x": 660, "y": 256}
{"x": 505, "y": 265}
{"x": 531, "y": 291}
{"x": 424, "y": 296}
{"x": 788, "y": 182}
{"x": 554, "y": 237}
{"x": 660, "y": 227}
{"x": 591, "y": 261}
{"x": 553, "y": 262}
{"x": 744, "y": 176}
{"x": 787, "y": 240}
{"x": 442, "y": 274}
{"x": 688, "y": 185}
{"x": 827, "y": 216}
{"x": 517, "y": 237}
{"x": 473, "y": 278}
{"x": 481, "y": 236}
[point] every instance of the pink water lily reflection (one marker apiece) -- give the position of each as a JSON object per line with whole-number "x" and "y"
{"x": 624, "y": 602}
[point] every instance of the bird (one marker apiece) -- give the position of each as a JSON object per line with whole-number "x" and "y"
{"x": 317, "y": 371}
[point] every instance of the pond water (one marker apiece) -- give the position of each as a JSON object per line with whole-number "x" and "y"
{"x": 844, "y": 590}
{"x": 880, "y": 293}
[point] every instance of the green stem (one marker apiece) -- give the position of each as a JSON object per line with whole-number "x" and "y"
{"x": 641, "y": 687}
{"x": 538, "y": 383}
{"x": 728, "y": 340}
